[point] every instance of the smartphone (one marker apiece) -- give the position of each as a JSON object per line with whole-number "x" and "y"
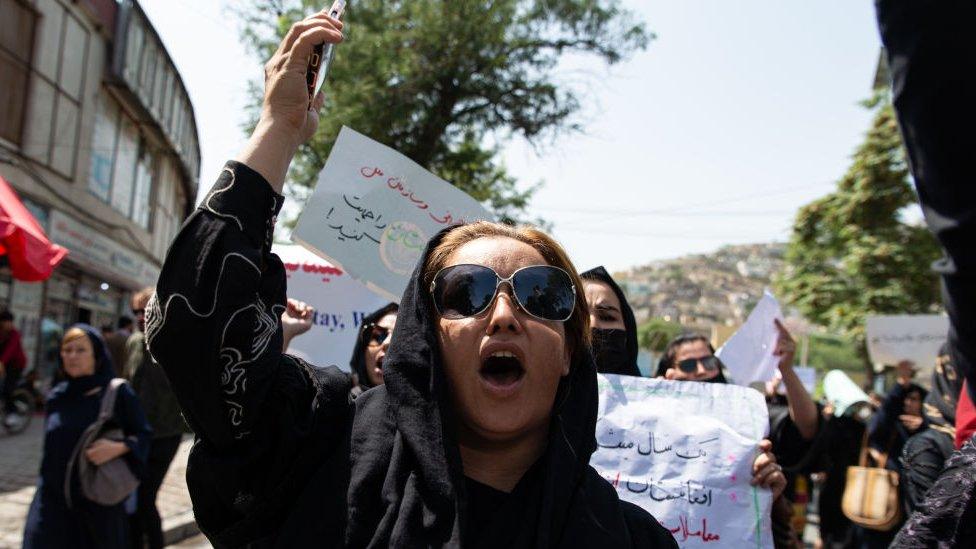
{"x": 322, "y": 54}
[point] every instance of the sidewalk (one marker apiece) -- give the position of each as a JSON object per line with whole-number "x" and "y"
{"x": 20, "y": 459}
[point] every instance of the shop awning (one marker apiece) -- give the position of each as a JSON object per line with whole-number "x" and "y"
{"x": 31, "y": 256}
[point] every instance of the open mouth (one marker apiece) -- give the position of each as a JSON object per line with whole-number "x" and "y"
{"x": 502, "y": 369}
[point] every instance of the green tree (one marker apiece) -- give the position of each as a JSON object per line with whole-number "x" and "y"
{"x": 851, "y": 254}
{"x": 655, "y": 334}
{"x": 446, "y": 82}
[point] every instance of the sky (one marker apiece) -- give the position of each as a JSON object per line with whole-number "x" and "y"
{"x": 737, "y": 114}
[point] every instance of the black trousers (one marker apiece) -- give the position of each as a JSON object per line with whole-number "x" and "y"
{"x": 146, "y": 526}
{"x": 10, "y": 380}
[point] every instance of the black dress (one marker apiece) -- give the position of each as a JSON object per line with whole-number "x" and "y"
{"x": 283, "y": 459}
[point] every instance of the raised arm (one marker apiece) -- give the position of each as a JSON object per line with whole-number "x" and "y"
{"x": 803, "y": 411}
{"x": 214, "y": 323}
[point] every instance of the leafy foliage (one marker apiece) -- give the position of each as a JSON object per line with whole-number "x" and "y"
{"x": 446, "y": 81}
{"x": 655, "y": 334}
{"x": 851, "y": 254}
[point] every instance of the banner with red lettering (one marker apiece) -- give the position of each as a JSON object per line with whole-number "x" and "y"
{"x": 684, "y": 451}
{"x": 340, "y": 304}
{"x": 373, "y": 211}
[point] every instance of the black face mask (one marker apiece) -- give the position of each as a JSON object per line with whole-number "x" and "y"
{"x": 610, "y": 351}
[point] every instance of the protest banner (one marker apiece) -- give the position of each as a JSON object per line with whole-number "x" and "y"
{"x": 340, "y": 304}
{"x": 748, "y": 354}
{"x": 684, "y": 451}
{"x": 918, "y": 338}
{"x": 373, "y": 211}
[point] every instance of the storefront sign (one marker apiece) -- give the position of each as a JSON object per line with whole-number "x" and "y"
{"x": 100, "y": 253}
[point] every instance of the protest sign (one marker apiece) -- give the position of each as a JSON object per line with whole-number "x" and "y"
{"x": 684, "y": 451}
{"x": 340, "y": 305}
{"x": 373, "y": 211}
{"x": 806, "y": 374}
{"x": 918, "y": 338}
{"x": 808, "y": 377}
{"x": 748, "y": 354}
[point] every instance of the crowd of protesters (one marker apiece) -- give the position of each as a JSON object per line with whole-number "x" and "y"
{"x": 468, "y": 415}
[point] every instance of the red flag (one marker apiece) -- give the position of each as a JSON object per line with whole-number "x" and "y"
{"x": 32, "y": 257}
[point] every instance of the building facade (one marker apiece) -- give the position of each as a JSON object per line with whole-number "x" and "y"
{"x": 98, "y": 137}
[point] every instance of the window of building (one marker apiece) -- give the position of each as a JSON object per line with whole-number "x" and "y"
{"x": 57, "y": 82}
{"x": 16, "y": 45}
{"x": 142, "y": 196}
{"x": 123, "y": 178}
{"x": 122, "y": 162}
{"x": 104, "y": 137}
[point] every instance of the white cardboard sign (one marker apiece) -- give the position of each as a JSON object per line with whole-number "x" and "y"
{"x": 918, "y": 338}
{"x": 340, "y": 304}
{"x": 748, "y": 354}
{"x": 373, "y": 211}
{"x": 683, "y": 451}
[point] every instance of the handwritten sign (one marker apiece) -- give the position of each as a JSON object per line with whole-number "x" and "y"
{"x": 340, "y": 304}
{"x": 918, "y": 338}
{"x": 684, "y": 452}
{"x": 749, "y": 352}
{"x": 373, "y": 211}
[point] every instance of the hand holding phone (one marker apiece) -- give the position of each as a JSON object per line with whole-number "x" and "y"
{"x": 321, "y": 58}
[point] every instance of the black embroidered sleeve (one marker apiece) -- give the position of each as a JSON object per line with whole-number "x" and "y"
{"x": 214, "y": 323}
{"x": 265, "y": 422}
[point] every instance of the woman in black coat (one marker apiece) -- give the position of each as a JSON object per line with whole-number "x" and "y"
{"x": 482, "y": 432}
{"x": 73, "y": 405}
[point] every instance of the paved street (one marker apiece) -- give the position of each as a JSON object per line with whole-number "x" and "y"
{"x": 20, "y": 458}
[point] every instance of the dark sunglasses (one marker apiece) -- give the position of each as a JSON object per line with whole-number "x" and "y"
{"x": 690, "y": 365}
{"x": 543, "y": 291}
{"x": 375, "y": 335}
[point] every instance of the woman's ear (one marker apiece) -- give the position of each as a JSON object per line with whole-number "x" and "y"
{"x": 669, "y": 373}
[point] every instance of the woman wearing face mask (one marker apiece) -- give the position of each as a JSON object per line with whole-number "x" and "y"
{"x": 73, "y": 405}
{"x": 480, "y": 435}
{"x": 612, "y": 324}
{"x": 372, "y": 344}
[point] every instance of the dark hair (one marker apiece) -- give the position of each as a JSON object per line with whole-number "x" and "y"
{"x": 107, "y": 327}
{"x": 6, "y": 315}
{"x": 667, "y": 360}
{"x": 124, "y": 322}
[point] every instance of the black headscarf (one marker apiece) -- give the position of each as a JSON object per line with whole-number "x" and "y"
{"x": 104, "y": 370}
{"x": 610, "y": 357}
{"x": 939, "y": 407}
{"x": 357, "y": 362}
{"x": 407, "y": 485}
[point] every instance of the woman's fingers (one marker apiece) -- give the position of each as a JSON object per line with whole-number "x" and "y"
{"x": 297, "y": 56}
{"x": 766, "y": 475}
{"x": 318, "y": 101}
{"x": 296, "y": 30}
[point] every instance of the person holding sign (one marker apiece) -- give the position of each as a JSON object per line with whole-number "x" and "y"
{"x": 481, "y": 434}
{"x": 691, "y": 357}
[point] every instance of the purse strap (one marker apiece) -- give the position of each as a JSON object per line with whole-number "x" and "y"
{"x": 863, "y": 459}
{"x": 107, "y": 408}
{"x": 105, "y": 411}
